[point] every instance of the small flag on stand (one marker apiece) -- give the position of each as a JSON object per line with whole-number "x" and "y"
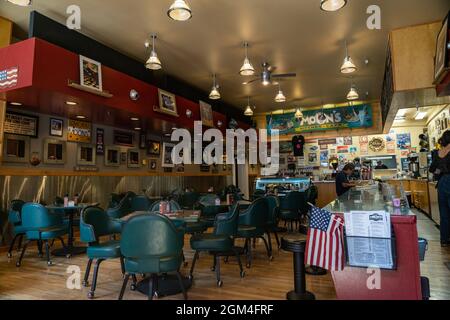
{"x": 325, "y": 243}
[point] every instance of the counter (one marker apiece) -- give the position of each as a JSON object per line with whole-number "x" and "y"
{"x": 419, "y": 192}
{"x": 434, "y": 204}
{"x": 327, "y": 192}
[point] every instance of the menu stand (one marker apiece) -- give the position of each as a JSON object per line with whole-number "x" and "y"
{"x": 298, "y": 248}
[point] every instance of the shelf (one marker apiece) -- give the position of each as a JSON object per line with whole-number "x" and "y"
{"x": 104, "y": 94}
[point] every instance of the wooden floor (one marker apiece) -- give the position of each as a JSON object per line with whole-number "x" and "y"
{"x": 264, "y": 281}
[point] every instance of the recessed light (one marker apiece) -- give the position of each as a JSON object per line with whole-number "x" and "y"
{"x": 138, "y": 129}
{"x": 15, "y": 103}
{"x": 81, "y": 117}
{"x": 22, "y": 3}
{"x": 134, "y": 119}
{"x": 71, "y": 103}
{"x": 421, "y": 115}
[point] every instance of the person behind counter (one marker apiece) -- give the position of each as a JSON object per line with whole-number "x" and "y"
{"x": 381, "y": 166}
{"x": 441, "y": 169}
{"x": 343, "y": 183}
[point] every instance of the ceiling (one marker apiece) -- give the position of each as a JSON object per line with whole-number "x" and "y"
{"x": 409, "y": 114}
{"x": 293, "y": 35}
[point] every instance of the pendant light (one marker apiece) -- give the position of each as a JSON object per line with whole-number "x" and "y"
{"x": 332, "y": 5}
{"x": 348, "y": 66}
{"x": 247, "y": 68}
{"x": 153, "y": 63}
{"x": 22, "y": 3}
{"x": 280, "y": 98}
{"x": 248, "y": 111}
{"x": 299, "y": 114}
{"x": 180, "y": 11}
{"x": 215, "y": 94}
{"x": 353, "y": 94}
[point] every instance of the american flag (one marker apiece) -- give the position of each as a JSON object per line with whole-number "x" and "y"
{"x": 8, "y": 78}
{"x": 325, "y": 243}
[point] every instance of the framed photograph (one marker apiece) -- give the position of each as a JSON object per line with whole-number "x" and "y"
{"x": 143, "y": 141}
{"x": 91, "y": 73}
{"x": 16, "y": 148}
{"x": 123, "y": 158}
{"x": 79, "y": 131}
{"x": 21, "y": 124}
{"x": 153, "y": 148}
{"x": 100, "y": 144}
{"x": 441, "y": 66}
{"x": 153, "y": 165}
{"x": 206, "y": 114}
{"x": 56, "y": 127}
{"x": 134, "y": 158}
{"x": 86, "y": 155}
{"x": 167, "y": 155}
{"x": 123, "y": 138}
{"x": 167, "y": 103}
{"x": 112, "y": 157}
{"x": 54, "y": 151}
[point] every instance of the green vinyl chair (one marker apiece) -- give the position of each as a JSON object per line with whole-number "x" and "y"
{"x": 95, "y": 223}
{"x": 15, "y": 219}
{"x": 140, "y": 203}
{"x": 151, "y": 244}
{"x": 41, "y": 226}
{"x": 252, "y": 225}
{"x": 290, "y": 208}
{"x": 123, "y": 208}
{"x": 189, "y": 200}
{"x": 273, "y": 219}
{"x": 219, "y": 243}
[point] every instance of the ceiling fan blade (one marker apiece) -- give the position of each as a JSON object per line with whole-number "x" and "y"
{"x": 251, "y": 81}
{"x": 284, "y": 75}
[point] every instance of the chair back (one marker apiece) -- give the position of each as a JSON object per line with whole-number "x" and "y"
{"x": 189, "y": 200}
{"x": 208, "y": 200}
{"x": 150, "y": 236}
{"x": 115, "y": 200}
{"x": 227, "y": 223}
{"x": 15, "y": 212}
{"x": 174, "y": 206}
{"x": 255, "y": 215}
{"x": 273, "y": 210}
{"x": 140, "y": 203}
{"x": 291, "y": 201}
{"x": 36, "y": 217}
{"x": 123, "y": 208}
{"x": 96, "y": 223}
{"x": 313, "y": 194}
{"x": 303, "y": 199}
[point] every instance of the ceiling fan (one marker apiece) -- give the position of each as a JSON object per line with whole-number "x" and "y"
{"x": 267, "y": 77}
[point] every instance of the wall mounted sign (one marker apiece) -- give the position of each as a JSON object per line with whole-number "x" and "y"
{"x": 441, "y": 63}
{"x": 167, "y": 155}
{"x": 21, "y": 124}
{"x": 100, "y": 144}
{"x": 206, "y": 114}
{"x": 403, "y": 141}
{"x": 325, "y": 142}
{"x": 91, "y": 74}
{"x": 79, "y": 131}
{"x": 56, "y": 127}
{"x": 122, "y": 138}
{"x": 354, "y": 117}
{"x": 167, "y": 103}
{"x": 387, "y": 93}
{"x": 8, "y": 78}
{"x": 85, "y": 169}
{"x": 377, "y": 144}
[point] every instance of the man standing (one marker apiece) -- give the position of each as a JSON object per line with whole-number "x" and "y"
{"x": 342, "y": 179}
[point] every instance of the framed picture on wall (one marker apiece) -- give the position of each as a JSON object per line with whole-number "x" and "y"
{"x": 79, "y": 131}
{"x": 134, "y": 158}
{"x": 16, "y": 148}
{"x": 100, "y": 144}
{"x": 123, "y": 138}
{"x": 112, "y": 157}
{"x": 123, "y": 158}
{"x": 54, "y": 151}
{"x": 21, "y": 124}
{"x": 56, "y": 127}
{"x": 91, "y": 73}
{"x": 206, "y": 114}
{"x": 167, "y": 155}
{"x": 153, "y": 164}
{"x": 86, "y": 155}
{"x": 441, "y": 66}
{"x": 167, "y": 103}
{"x": 153, "y": 148}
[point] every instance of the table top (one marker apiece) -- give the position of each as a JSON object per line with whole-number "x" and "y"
{"x": 185, "y": 215}
{"x": 79, "y": 206}
{"x": 365, "y": 199}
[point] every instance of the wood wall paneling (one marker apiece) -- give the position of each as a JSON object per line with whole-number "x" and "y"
{"x": 5, "y": 32}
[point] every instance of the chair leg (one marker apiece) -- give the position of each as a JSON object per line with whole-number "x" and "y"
{"x": 269, "y": 252}
{"x": 277, "y": 239}
{"x": 122, "y": 266}
{"x": 150, "y": 288}
{"x": 155, "y": 285}
{"x": 39, "y": 246}
{"x": 269, "y": 240}
{"x": 62, "y": 242}
{"x": 47, "y": 253}
{"x": 124, "y": 285}
{"x": 18, "y": 263}
{"x": 213, "y": 268}
{"x": 19, "y": 246}
{"x": 238, "y": 257}
{"x": 11, "y": 246}
{"x": 94, "y": 279}
{"x": 134, "y": 284}
{"x": 86, "y": 274}
{"x": 183, "y": 289}
{"x": 249, "y": 253}
{"x": 191, "y": 273}
{"x": 219, "y": 281}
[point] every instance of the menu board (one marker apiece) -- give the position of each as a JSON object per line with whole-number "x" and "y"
{"x": 79, "y": 131}
{"x": 21, "y": 124}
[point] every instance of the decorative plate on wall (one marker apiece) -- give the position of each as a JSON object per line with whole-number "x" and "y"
{"x": 377, "y": 144}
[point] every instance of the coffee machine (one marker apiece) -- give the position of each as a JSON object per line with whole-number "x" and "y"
{"x": 414, "y": 167}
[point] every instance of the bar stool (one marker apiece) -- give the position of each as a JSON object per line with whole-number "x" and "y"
{"x": 297, "y": 246}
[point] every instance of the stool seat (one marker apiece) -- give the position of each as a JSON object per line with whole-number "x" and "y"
{"x": 293, "y": 245}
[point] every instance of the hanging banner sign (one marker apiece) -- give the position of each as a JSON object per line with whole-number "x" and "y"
{"x": 354, "y": 117}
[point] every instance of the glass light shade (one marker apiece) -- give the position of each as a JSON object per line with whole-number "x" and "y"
{"x": 215, "y": 94}
{"x": 247, "y": 68}
{"x": 348, "y": 66}
{"x": 179, "y": 11}
{"x": 248, "y": 112}
{"x": 353, "y": 94}
{"x": 23, "y": 3}
{"x": 280, "y": 97}
{"x": 153, "y": 63}
{"x": 298, "y": 114}
{"x": 332, "y": 5}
